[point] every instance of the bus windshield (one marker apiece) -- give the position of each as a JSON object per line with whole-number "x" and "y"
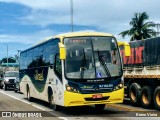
{"x": 92, "y": 58}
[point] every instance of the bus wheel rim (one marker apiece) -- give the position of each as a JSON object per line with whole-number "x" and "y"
{"x": 145, "y": 98}
{"x": 133, "y": 97}
{"x": 158, "y": 98}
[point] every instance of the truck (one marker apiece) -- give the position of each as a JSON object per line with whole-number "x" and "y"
{"x": 4, "y": 67}
{"x": 142, "y": 73}
{"x": 9, "y": 78}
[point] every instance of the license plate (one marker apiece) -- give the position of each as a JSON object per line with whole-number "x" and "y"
{"x": 97, "y": 96}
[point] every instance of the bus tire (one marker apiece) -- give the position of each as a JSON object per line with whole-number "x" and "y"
{"x": 156, "y": 98}
{"x": 146, "y": 97}
{"x": 4, "y": 87}
{"x": 99, "y": 107}
{"x": 15, "y": 91}
{"x": 29, "y": 98}
{"x": 52, "y": 103}
{"x": 134, "y": 93}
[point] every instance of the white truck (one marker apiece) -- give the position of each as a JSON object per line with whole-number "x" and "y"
{"x": 9, "y": 79}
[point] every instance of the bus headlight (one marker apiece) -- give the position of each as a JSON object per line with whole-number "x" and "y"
{"x": 71, "y": 89}
{"x": 68, "y": 88}
{"x": 119, "y": 86}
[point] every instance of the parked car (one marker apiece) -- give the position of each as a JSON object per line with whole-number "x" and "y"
{"x": 17, "y": 88}
{"x": 9, "y": 79}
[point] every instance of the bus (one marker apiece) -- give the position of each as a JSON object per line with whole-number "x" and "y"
{"x": 74, "y": 69}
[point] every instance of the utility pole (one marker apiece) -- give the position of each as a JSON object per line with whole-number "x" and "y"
{"x": 7, "y": 54}
{"x": 71, "y": 8}
{"x": 18, "y": 55}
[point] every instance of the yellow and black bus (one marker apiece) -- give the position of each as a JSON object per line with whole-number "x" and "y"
{"x": 73, "y": 69}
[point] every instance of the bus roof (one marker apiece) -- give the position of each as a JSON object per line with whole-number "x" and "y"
{"x": 74, "y": 34}
{"x": 71, "y": 34}
{"x": 84, "y": 33}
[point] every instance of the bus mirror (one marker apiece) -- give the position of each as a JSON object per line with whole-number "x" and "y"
{"x": 62, "y": 51}
{"x": 127, "y": 48}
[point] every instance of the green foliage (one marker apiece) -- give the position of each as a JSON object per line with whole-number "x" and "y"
{"x": 10, "y": 60}
{"x": 140, "y": 28}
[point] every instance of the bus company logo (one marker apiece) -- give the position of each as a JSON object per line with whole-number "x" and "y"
{"x": 99, "y": 80}
{"x": 87, "y": 87}
{"x": 6, "y": 114}
{"x": 38, "y": 76}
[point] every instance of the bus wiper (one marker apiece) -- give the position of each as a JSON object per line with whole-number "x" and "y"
{"x": 83, "y": 65}
{"x": 104, "y": 65}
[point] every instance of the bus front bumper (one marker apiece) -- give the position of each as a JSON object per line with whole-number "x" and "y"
{"x": 77, "y": 99}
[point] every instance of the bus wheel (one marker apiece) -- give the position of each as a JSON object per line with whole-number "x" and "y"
{"x": 146, "y": 96}
{"x": 15, "y": 89}
{"x": 156, "y": 98}
{"x": 134, "y": 93}
{"x": 4, "y": 87}
{"x": 100, "y": 107}
{"x": 28, "y": 95}
{"x": 52, "y": 103}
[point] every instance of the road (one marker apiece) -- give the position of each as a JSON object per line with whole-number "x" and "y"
{"x": 19, "y": 105}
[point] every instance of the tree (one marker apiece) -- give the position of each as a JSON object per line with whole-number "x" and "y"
{"x": 140, "y": 28}
{"x": 10, "y": 60}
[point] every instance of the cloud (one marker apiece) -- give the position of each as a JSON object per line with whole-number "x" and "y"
{"x": 22, "y": 41}
{"x": 112, "y": 16}
{"x": 50, "y": 5}
{"x": 45, "y": 18}
{"x": 107, "y": 16}
{"x": 26, "y": 38}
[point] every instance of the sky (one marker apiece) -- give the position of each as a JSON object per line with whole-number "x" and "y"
{"x": 25, "y": 22}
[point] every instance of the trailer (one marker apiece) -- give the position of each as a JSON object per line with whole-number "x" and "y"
{"x": 142, "y": 73}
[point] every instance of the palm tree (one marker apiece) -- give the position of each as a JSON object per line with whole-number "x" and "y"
{"x": 140, "y": 29}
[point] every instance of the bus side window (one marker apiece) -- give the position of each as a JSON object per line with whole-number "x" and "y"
{"x": 58, "y": 67}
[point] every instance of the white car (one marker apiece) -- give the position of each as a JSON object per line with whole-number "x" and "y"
{"x": 9, "y": 79}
